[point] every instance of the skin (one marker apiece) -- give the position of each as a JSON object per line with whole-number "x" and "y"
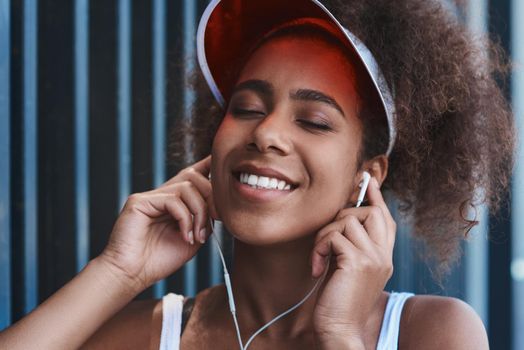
{"x": 281, "y": 245}
{"x": 275, "y": 134}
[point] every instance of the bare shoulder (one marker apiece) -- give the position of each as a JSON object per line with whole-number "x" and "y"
{"x": 210, "y": 325}
{"x": 134, "y": 327}
{"x": 434, "y": 322}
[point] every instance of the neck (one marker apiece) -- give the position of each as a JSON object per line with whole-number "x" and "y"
{"x": 269, "y": 280}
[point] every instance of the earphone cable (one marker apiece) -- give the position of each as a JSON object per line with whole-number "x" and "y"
{"x": 232, "y": 306}
{"x": 229, "y": 289}
{"x": 364, "y": 184}
{"x": 289, "y": 310}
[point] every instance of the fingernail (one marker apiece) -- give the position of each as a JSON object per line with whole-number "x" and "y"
{"x": 191, "y": 238}
{"x": 202, "y": 235}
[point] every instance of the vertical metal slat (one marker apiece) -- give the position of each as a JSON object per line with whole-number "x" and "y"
{"x": 477, "y": 267}
{"x": 517, "y": 263}
{"x": 124, "y": 100}
{"x": 81, "y": 55}
{"x": 477, "y": 255}
{"x": 215, "y": 265}
{"x": 500, "y": 306}
{"x": 189, "y": 30}
{"x": 405, "y": 264}
{"x": 5, "y": 165}
{"x": 159, "y": 113}
{"x": 30, "y": 101}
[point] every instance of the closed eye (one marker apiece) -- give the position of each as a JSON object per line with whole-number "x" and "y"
{"x": 240, "y": 111}
{"x": 319, "y": 126}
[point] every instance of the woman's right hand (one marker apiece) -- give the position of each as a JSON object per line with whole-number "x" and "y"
{"x": 160, "y": 230}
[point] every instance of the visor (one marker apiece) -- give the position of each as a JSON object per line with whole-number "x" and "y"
{"x": 229, "y": 29}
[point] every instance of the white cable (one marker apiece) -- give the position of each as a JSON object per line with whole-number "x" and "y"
{"x": 364, "y": 184}
{"x": 229, "y": 289}
{"x": 232, "y": 306}
{"x": 288, "y": 311}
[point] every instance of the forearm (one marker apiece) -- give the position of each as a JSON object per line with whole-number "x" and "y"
{"x": 70, "y": 316}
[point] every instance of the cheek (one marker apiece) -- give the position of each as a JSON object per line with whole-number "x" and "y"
{"x": 338, "y": 157}
{"x": 229, "y": 132}
{"x": 223, "y": 140}
{"x": 223, "y": 129}
{"x": 333, "y": 174}
{"x": 227, "y": 141}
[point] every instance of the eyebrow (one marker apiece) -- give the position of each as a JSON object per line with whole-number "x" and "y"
{"x": 265, "y": 88}
{"x": 316, "y": 96}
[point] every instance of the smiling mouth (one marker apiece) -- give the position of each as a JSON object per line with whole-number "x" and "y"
{"x": 263, "y": 182}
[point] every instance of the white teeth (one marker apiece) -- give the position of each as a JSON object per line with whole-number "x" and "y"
{"x": 263, "y": 182}
{"x": 252, "y": 180}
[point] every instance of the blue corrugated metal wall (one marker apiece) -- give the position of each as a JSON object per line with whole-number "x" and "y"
{"x": 517, "y": 260}
{"x": 88, "y": 92}
{"x": 88, "y": 82}
{"x": 5, "y": 164}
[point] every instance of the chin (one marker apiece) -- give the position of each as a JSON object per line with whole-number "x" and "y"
{"x": 265, "y": 232}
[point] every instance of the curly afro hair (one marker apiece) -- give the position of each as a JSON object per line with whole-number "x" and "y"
{"x": 456, "y": 137}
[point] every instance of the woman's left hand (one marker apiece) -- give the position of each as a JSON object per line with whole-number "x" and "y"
{"x": 360, "y": 243}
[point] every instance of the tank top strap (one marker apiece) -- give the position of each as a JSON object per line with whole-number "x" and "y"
{"x": 389, "y": 332}
{"x": 172, "y": 306}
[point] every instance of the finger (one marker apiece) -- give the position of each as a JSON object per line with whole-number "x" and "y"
{"x": 203, "y": 166}
{"x": 205, "y": 188}
{"x": 198, "y": 179}
{"x": 375, "y": 198}
{"x": 182, "y": 215}
{"x": 190, "y": 191}
{"x": 372, "y": 218}
{"x": 334, "y": 243}
{"x": 197, "y": 206}
{"x": 202, "y": 184}
{"x": 351, "y": 228}
{"x": 155, "y": 205}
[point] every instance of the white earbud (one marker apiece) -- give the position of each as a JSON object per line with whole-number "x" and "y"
{"x": 363, "y": 187}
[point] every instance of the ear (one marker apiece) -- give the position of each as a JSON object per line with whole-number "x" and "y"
{"x": 377, "y": 167}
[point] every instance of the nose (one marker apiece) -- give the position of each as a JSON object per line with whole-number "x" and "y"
{"x": 273, "y": 134}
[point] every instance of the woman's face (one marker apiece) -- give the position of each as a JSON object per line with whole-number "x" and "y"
{"x": 292, "y": 117}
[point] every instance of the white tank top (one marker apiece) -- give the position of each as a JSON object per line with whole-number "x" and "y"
{"x": 172, "y": 306}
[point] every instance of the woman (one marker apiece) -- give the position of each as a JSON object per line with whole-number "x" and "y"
{"x": 305, "y": 115}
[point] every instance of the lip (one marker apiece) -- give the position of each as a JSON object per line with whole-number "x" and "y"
{"x": 263, "y": 171}
{"x": 258, "y": 195}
